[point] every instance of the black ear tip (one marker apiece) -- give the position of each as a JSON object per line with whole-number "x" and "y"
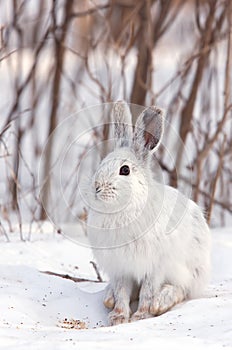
{"x": 157, "y": 110}
{"x": 152, "y": 112}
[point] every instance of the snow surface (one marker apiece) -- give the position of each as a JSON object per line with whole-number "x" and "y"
{"x": 34, "y": 305}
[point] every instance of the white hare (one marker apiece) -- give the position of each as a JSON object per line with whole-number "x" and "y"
{"x": 151, "y": 240}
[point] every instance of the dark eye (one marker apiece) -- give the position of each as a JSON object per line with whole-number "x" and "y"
{"x": 124, "y": 170}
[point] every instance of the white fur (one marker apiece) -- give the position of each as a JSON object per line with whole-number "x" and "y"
{"x": 146, "y": 236}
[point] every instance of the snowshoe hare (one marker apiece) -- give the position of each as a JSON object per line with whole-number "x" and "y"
{"x": 152, "y": 241}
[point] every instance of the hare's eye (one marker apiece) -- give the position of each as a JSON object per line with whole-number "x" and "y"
{"x": 124, "y": 170}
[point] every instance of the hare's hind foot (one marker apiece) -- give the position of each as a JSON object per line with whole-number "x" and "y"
{"x": 118, "y": 298}
{"x": 168, "y": 297}
{"x": 163, "y": 301}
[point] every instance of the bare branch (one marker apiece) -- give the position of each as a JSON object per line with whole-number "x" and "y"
{"x": 89, "y": 11}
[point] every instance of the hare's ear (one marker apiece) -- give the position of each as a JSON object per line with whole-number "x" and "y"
{"x": 122, "y": 123}
{"x": 149, "y": 130}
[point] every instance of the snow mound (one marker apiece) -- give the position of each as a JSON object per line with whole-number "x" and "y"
{"x": 45, "y": 311}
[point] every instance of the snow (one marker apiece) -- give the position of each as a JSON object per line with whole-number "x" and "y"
{"x": 34, "y": 305}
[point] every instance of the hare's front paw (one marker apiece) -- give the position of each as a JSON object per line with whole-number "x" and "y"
{"x": 168, "y": 297}
{"x": 118, "y": 298}
{"x": 118, "y": 316}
